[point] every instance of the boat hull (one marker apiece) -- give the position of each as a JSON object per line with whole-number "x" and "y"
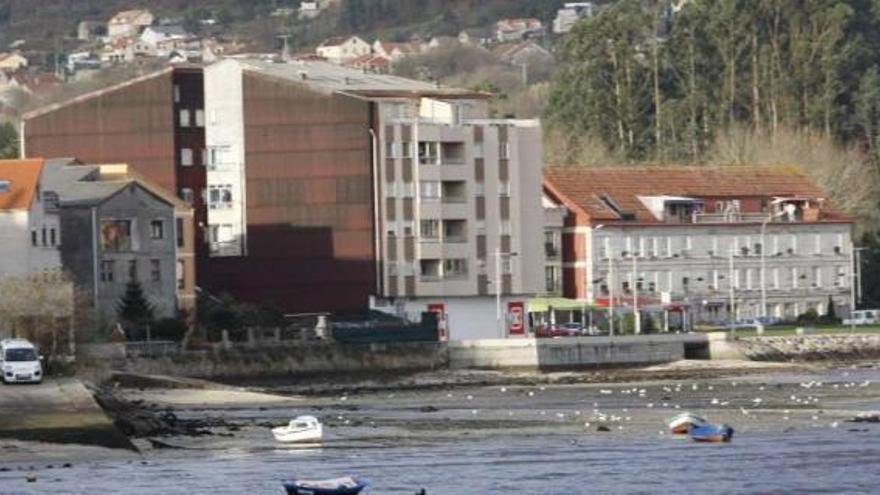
{"x": 712, "y": 434}
{"x": 683, "y": 423}
{"x": 294, "y": 487}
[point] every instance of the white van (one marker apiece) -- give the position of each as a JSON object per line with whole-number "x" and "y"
{"x": 19, "y": 362}
{"x": 863, "y": 317}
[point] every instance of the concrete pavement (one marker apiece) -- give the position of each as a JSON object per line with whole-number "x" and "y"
{"x": 56, "y": 411}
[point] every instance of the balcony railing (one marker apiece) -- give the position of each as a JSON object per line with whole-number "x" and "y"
{"x": 729, "y": 217}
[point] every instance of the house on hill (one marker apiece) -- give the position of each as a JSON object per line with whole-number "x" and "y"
{"x": 518, "y": 29}
{"x": 128, "y": 23}
{"x": 521, "y": 53}
{"x": 341, "y": 49}
{"x": 12, "y": 61}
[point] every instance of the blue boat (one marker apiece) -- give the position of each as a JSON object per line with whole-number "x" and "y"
{"x": 711, "y": 433}
{"x": 339, "y": 486}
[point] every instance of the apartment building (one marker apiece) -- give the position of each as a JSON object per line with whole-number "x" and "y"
{"x": 310, "y": 181}
{"x": 103, "y": 225}
{"x": 713, "y": 243}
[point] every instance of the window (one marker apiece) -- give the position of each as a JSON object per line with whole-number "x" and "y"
{"x": 817, "y": 276}
{"x": 505, "y": 227}
{"x": 181, "y": 271}
{"x": 775, "y": 280}
{"x": 794, "y": 278}
{"x": 391, "y": 229}
{"x": 186, "y": 194}
{"x": 428, "y": 153}
{"x": 391, "y": 190}
{"x": 4, "y": 186}
{"x": 186, "y": 157}
{"x": 200, "y": 118}
{"x": 179, "y": 233}
{"x": 392, "y": 268}
{"x": 107, "y": 271}
{"x": 793, "y": 248}
{"x": 504, "y": 151}
{"x": 429, "y": 189}
{"x": 157, "y": 229}
{"x": 479, "y": 189}
{"x": 818, "y": 244}
{"x": 155, "y": 271}
{"x": 184, "y": 118}
{"x": 551, "y": 278}
{"x": 506, "y": 265}
{"x": 132, "y": 269}
{"x": 43, "y": 235}
{"x": 221, "y": 233}
{"x": 453, "y": 268}
{"x": 429, "y": 229}
{"x": 551, "y": 243}
{"x": 116, "y": 235}
{"x": 52, "y": 239}
{"x": 406, "y": 149}
{"x": 176, "y": 93}
{"x": 220, "y": 196}
{"x": 407, "y": 228}
{"x": 34, "y": 237}
{"x": 840, "y": 277}
{"x": 389, "y": 149}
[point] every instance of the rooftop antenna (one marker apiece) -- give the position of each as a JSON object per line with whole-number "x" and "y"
{"x": 285, "y": 48}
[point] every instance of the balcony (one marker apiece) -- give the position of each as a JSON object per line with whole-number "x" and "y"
{"x": 729, "y": 217}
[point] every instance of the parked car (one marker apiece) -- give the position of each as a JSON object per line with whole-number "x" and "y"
{"x": 20, "y": 362}
{"x": 863, "y": 317}
{"x": 565, "y": 330}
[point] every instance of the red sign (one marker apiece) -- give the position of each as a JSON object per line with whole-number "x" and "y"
{"x": 440, "y": 309}
{"x": 516, "y": 315}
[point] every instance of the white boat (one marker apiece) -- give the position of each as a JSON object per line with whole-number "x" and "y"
{"x": 303, "y": 429}
{"x": 682, "y": 423}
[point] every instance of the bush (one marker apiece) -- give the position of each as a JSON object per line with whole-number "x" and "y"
{"x": 168, "y": 329}
{"x": 810, "y": 317}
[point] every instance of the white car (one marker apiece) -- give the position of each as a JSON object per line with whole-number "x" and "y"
{"x": 19, "y": 362}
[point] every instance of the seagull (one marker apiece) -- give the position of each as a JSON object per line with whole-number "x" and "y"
{"x": 757, "y": 400}
{"x": 834, "y": 424}
{"x": 714, "y": 401}
{"x": 531, "y": 394}
{"x": 504, "y": 389}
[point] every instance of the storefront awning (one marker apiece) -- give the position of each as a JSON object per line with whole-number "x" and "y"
{"x": 543, "y": 304}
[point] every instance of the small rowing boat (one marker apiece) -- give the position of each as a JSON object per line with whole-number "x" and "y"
{"x": 712, "y": 433}
{"x": 339, "y": 486}
{"x": 682, "y": 423}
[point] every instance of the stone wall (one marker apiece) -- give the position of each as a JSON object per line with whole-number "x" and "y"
{"x": 302, "y": 359}
{"x": 811, "y": 348}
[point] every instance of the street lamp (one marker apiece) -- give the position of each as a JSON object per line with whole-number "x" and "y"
{"x": 498, "y": 254}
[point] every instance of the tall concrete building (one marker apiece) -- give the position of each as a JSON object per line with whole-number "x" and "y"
{"x": 322, "y": 188}
{"x": 714, "y": 243}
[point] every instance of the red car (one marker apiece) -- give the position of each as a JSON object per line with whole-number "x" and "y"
{"x": 565, "y": 330}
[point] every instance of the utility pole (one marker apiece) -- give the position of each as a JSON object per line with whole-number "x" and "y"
{"x": 732, "y": 294}
{"x": 285, "y": 49}
{"x": 611, "y": 294}
{"x": 852, "y": 288}
{"x": 637, "y": 321}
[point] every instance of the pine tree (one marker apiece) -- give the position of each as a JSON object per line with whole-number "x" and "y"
{"x": 133, "y": 308}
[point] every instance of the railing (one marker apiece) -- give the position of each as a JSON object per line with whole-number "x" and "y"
{"x": 729, "y": 217}
{"x": 152, "y": 348}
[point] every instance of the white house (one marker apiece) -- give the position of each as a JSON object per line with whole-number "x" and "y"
{"x": 343, "y": 48}
{"x": 29, "y": 228}
{"x": 128, "y": 23}
{"x": 569, "y": 14}
{"x": 518, "y": 29}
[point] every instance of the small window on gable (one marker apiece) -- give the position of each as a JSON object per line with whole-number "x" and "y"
{"x": 4, "y": 186}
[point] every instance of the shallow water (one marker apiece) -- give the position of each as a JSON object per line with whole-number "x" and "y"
{"x": 465, "y": 447}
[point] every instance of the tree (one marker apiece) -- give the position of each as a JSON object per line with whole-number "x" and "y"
{"x": 830, "y": 315}
{"x": 134, "y": 309}
{"x": 8, "y": 141}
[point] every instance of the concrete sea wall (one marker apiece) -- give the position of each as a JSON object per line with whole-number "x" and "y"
{"x": 567, "y": 353}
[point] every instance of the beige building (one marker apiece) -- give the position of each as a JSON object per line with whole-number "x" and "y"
{"x": 12, "y": 62}
{"x": 128, "y": 23}
{"x": 460, "y": 198}
{"x": 343, "y": 48}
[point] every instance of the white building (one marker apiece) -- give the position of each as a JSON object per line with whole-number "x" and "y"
{"x": 29, "y": 227}
{"x": 569, "y": 14}
{"x": 128, "y": 23}
{"x": 751, "y": 241}
{"x": 518, "y": 29}
{"x": 343, "y": 48}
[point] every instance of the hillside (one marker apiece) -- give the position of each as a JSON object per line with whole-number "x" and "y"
{"x": 49, "y": 26}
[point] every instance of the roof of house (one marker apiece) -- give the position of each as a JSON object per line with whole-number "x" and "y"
{"x": 327, "y": 77}
{"x": 8, "y": 55}
{"x": 517, "y": 24}
{"x": 128, "y": 16}
{"x": 20, "y": 180}
{"x": 584, "y": 188}
{"x": 336, "y": 41}
{"x": 369, "y": 61}
{"x": 82, "y": 185}
{"x": 508, "y": 50}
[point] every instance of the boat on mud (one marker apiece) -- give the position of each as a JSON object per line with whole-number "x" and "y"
{"x": 347, "y": 485}
{"x": 711, "y": 433}
{"x": 302, "y": 429}
{"x": 682, "y": 424}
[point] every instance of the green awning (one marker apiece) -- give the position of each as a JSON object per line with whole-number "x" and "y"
{"x": 543, "y": 304}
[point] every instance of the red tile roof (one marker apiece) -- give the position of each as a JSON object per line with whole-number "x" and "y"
{"x": 582, "y": 188}
{"x": 22, "y": 176}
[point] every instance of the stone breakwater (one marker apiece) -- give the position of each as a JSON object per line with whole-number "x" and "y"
{"x": 811, "y": 348}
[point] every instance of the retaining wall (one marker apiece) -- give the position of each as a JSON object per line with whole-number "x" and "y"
{"x": 568, "y": 353}
{"x": 300, "y": 359}
{"x": 811, "y": 348}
